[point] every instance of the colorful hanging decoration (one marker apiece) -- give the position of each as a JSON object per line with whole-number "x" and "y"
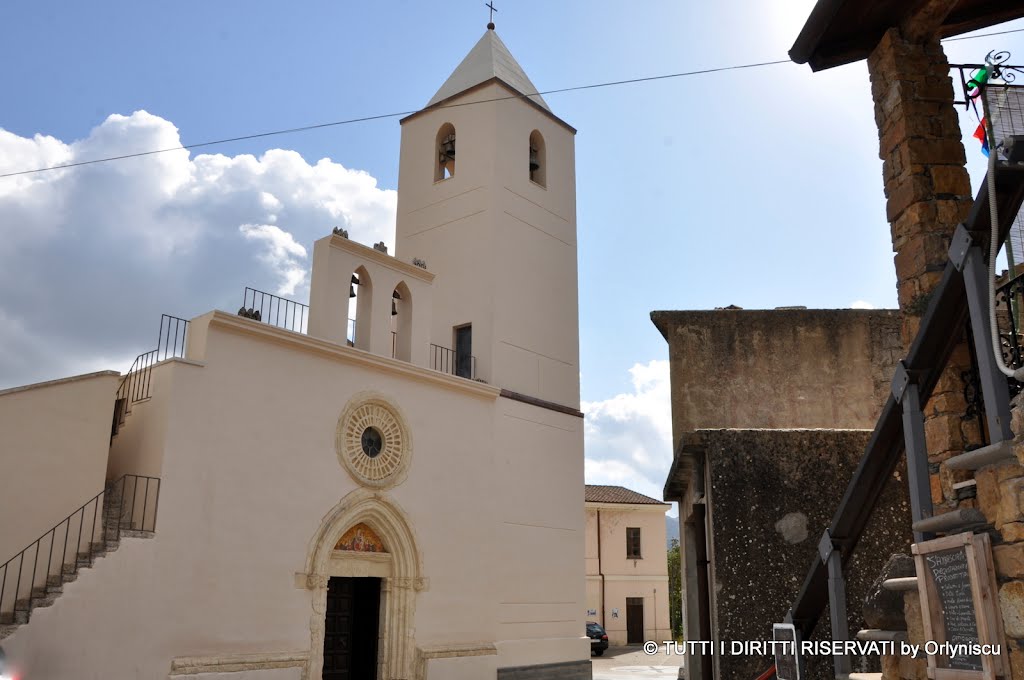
{"x": 981, "y": 134}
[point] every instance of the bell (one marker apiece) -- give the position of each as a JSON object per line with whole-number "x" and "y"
{"x": 351, "y": 291}
{"x": 394, "y": 310}
{"x": 448, "y": 148}
{"x": 534, "y": 164}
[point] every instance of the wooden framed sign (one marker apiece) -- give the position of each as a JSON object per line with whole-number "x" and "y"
{"x": 962, "y": 626}
{"x": 788, "y": 663}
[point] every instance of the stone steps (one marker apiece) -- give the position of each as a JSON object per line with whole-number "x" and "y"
{"x": 114, "y": 528}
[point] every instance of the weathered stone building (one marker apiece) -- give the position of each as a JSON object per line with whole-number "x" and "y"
{"x": 770, "y": 410}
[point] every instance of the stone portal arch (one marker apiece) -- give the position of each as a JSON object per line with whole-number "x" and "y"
{"x": 399, "y": 589}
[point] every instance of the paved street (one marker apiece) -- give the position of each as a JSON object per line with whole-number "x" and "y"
{"x": 630, "y": 663}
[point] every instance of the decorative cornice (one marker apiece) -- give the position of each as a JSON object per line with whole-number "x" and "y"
{"x": 234, "y": 663}
{"x": 383, "y": 259}
{"x": 351, "y": 355}
{"x": 457, "y": 650}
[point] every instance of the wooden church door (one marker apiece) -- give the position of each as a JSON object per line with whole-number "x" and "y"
{"x": 351, "y": 630}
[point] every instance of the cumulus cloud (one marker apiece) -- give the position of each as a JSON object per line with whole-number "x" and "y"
{"x": 628, "y": 437}
{"x": 91, "y": 256}
{"x": 861, "y": 304}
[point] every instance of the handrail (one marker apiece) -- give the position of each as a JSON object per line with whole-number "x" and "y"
{"x": 449, "y": 361}
{"x": 274, "y": 310}
{"x": 929, "y": 353}
{"x": 134, "y": 386}
{"x": 136, "y": 519}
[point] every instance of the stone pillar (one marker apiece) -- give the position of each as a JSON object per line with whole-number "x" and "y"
{"x": 928, "y": 193}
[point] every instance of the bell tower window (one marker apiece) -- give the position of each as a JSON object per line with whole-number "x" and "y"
{"x": 445, "y": 166}
{"x": 538, "y": 169}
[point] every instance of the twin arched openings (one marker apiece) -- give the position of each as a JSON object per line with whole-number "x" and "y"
{"x": 360, "y": 316}
{"x": 444, "y": 167}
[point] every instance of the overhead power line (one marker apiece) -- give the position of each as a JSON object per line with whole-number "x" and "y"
{"x": 397, "y": 114}
{"x": 984, "y": 35}
{"x": 381, "y": 116}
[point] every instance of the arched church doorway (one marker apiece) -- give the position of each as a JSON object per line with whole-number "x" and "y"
{"x": 364, "y": 570}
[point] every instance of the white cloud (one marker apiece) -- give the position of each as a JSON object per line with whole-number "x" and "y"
{"x": 282, "y": 253}
{"x": 861, "y": 304}
{"x": 91, "y": 256}
{"x": 628, "y": 437}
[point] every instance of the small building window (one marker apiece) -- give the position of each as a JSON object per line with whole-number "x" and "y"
{"x": 633, "y": 543}
{"x": 538, "y": 164}
{"x": 445, "y": 165}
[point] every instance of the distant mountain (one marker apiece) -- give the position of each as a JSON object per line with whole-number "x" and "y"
{"x": 671, "y": 530}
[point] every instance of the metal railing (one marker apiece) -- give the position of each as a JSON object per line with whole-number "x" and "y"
{"x": 130, "y": 503}
{"x": 961, "y": 294}
{"x": 449, "y": 361}
{"x": 274, "y": 310}
{"x": 1009, "y": 298}
{"x": 135, "y": 384}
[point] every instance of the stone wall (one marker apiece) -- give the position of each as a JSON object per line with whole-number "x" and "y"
{"x": 928, "y": 193}
{"x": 784, "y": 368}
{"x": 771, "y": 494}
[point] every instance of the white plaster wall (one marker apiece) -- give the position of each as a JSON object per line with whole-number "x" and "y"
{"x": 50, "y": 471}
{"x": 249, "y": 472}
{"x": 503, "y": 247}
{"x": 540, "y": 542}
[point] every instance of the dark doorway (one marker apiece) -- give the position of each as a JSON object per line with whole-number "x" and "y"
{"x": 352, "y": 629}
{"x": 634, "y": 620}
{"x": 464, "y": 352}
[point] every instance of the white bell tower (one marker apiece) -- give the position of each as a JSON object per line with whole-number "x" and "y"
{"x": 487, "y": 197}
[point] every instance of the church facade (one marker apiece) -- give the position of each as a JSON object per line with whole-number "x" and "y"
{"x": 394, "y": 497}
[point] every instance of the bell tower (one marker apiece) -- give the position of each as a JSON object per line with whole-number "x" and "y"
{"x": 487, "y": 198}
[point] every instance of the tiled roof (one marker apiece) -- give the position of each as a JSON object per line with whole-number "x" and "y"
{"x": 618, "y": 494}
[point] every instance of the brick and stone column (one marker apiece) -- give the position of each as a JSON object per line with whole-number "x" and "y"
{"x": 928, "y": 193}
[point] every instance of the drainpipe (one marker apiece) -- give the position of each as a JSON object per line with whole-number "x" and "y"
{"x": 600, "y": 572}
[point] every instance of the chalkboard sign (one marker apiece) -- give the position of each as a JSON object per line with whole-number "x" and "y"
{"x": 956, "y": 582}
{"x": 949, "y": 571}
{"x": 788, "y": 664}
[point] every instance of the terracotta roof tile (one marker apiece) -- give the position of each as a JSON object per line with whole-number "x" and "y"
{"x": 617, "y": 494}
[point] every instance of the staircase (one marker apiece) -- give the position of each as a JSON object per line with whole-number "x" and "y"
{"x": 35, "y": 577}
{"x": 135, "y": 386}
{"x": 961, "y": 295}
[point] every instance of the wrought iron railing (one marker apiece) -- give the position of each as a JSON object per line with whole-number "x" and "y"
{"x": 128, "y": 504}
{"x": 449, "y": 361}
{"x": 972, "y": 78}
{"x": 135, "y": 384}
{"x": 274, "y": 310}
{"x": 1009, "y": 298}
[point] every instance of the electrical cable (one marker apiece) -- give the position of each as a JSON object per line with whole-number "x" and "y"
{"x": 396, "y": 114}
{"x": 364, "y": 119}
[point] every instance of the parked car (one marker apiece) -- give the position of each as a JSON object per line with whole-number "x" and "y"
{"x": 598, "y": 638}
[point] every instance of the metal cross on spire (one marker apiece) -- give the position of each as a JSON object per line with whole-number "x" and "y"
{"x": 490, "y": 20}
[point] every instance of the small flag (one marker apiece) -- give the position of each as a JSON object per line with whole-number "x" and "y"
{"x": 980, "y": 135}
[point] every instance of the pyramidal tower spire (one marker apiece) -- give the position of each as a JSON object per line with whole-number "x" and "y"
{"x": 489, "y": 59}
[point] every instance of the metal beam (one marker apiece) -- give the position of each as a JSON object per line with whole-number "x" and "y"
{"x": 937, "y": 336}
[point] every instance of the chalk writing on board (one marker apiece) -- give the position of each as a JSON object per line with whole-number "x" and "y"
{"x": 948, "y": 570}
{"x": 787, "y": 666}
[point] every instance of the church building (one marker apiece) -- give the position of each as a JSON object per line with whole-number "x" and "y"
{"x": 293, "y": 493}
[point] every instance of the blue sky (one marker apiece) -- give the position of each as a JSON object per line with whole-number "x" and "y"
{"x": 760, "y": 188}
